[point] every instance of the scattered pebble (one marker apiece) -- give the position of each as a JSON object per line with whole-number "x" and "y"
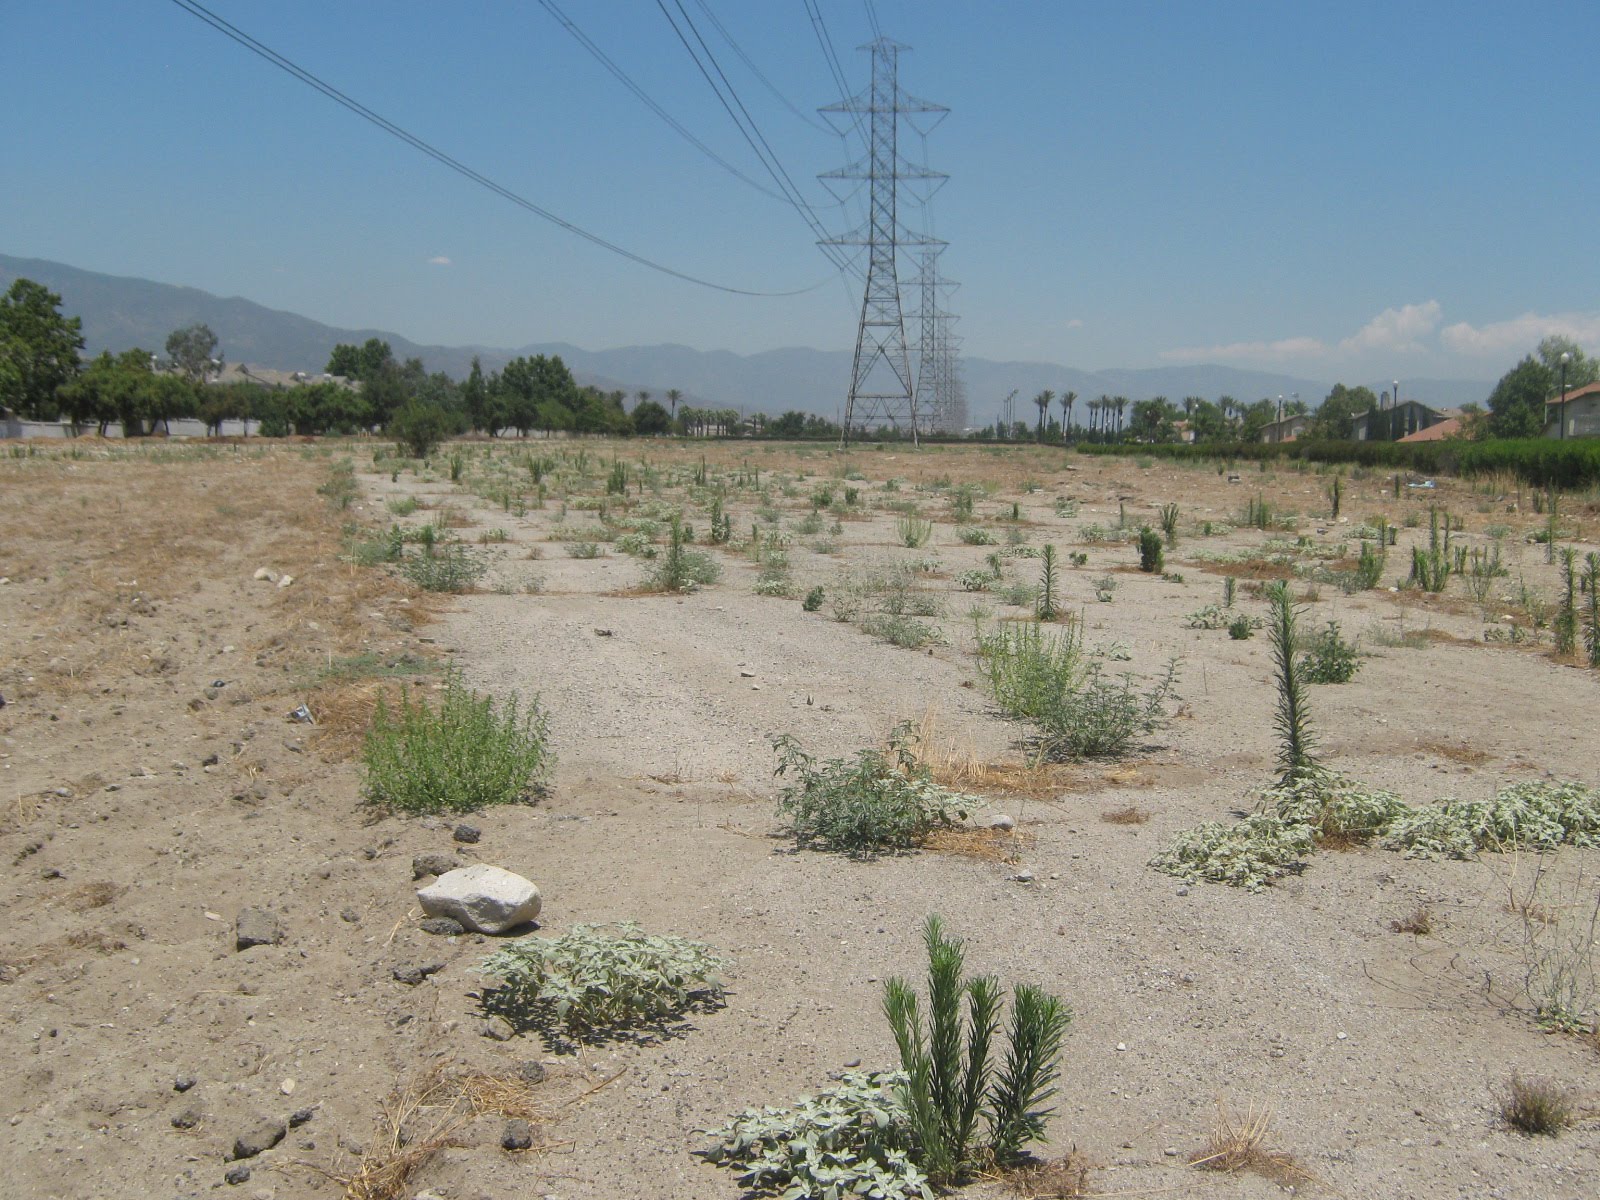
{"x": 532, "y": 1071}
{"x": 431, "y": 864}
{"x": 350, "y": 915}
{"x": 183, "y": 1083}
{"x": 1003, "y": 822}
{"x": 518, "y": 1135}
{"x": 301, "y": 1116}
{"x": 497, "y": 1029}
{"x": 468, "y": 834}
{"x": 237, "y": 1175}
{"x": 442, "y": 927}
{"x": 1122, "y": 1045}
{"x": 256, "y": 927}
{"x": 412, "y": 976}
{"x": 263, "y": 1136}
{"x": 187, "y": 1119}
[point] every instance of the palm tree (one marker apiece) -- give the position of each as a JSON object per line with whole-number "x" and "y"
{"x": 673, "y": 396}
{"x": 1066, "y": 413}
{"x": 641, "y": 395}
{"x": 1043, "y": 400}
{"x": 1120, "y": 402}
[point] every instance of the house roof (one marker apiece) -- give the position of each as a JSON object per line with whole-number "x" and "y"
{"x": 1437, "y": 432}
{"x": 1588, "y": 389}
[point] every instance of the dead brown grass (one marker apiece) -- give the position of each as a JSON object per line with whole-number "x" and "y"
{"x": 1455, "y": 752}
{"x": 1052, "y": 1178}
{"x": 1127, "y": 815}
{"x": 418, "y": 1119}
{"x": 954, "y": 762}
{"x": 1419, "y": 921}
{"x": 986, "y": 845}
{"x": 1242, "y": 1146}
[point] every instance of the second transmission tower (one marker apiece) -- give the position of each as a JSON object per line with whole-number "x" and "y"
{"x": 881, "y": 383}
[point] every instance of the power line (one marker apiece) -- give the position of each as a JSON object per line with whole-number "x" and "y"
{"x": 872, "y": 18}
{"x": 757, "y": 72}
{"x": 622, "y": 77}
{"x": 747, "y": 127}
{"x": 195, "y": 9}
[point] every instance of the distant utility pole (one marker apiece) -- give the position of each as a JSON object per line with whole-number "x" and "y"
{"x": 881, "y": 383}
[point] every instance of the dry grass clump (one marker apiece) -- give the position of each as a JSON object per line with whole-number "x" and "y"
{"x": 984, "y": 844}
{"x": 1242, "y": 1146}
{"x": 1536, "y": 1106}
{"x": 1052, "y": 1178}
{"x": 1455, "y": 752}
{"x": 1419, "y": 921}
{"x": 955, "y": 763}
{"x": 1130, "y": 814}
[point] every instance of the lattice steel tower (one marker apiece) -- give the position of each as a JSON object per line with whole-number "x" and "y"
{"x": 881, "y": 383}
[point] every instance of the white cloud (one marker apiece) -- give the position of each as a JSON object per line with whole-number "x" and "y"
{"x": 1282, "y": 350}
{"x": 1075, "y": 323}
{"x": 1396, "y": 329}
{"x": 1520, "y": 335}
{"x": 439, "y": 260}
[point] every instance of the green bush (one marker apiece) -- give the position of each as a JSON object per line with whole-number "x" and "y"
{"x": 880, "y": 800}
{"x": 1329, "y": 658}
{"x": 900, "y": 630}
{"x": 814, "y": 599}
{"x": 1150, "y": 554}
{"x": 913, "y": 531}
{"x": 419, "y": 427}
{"x": 446, "y": 569}
{"x": 595, "y": 981}
{"x": 464, "y": 755}
{"x": 1249, "y": 854}
{"x": 680, "y": 569}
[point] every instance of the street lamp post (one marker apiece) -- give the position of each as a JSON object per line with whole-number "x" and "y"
{"x": 1562, "y": 411}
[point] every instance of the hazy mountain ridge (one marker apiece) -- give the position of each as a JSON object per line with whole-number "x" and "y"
{"x": 120, "y": 312}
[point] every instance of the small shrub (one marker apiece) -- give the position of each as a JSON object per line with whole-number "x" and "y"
{"x": 1150, "y": 555}
{"x": 583, "y": 549}
{"x": 403, "y": 506}
{"x": 880, "y": 800}
{"x": 341, "y": 488}
{"x": 419, "y": 427}
{"x": 813, "y": 601}
{"x": 681, "y": 569}
{"x": 1536, "y": 1106}
{"x": 595, "y": 981}
{"x": 1242, "y": 627}
{"x": 1329, "y": 658}
{"x": 1048, "y": 574}
{"x": 900, "y": 630}
{"x": 975, "y": 535}
{"x": 448, "y": 569}
{"x": 466, "y": 754}
{"x": 1249, "y": 854}
{"x": 913, "y": 531}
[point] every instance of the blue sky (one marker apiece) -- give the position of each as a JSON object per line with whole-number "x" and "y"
{"x": 1339, "y": 190}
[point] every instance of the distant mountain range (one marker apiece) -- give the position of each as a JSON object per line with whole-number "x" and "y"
{"x": 119, "y": 313}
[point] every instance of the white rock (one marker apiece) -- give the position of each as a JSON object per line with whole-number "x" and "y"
{"x": 286, "y": 581}
{"x": 1003, "y": 823}
{"x": 482, "y": 898}
{"x": 264, "y": 574}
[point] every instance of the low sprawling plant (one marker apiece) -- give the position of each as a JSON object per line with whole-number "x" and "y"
{"x": 1333, "y": 805}
{"x": 1536, "y": 816}
{"x": 881, "y": 800}
{"x": 680, "y": 569}
{"x": 449, "y": 568}
{"x": 597, "y": 981}
{"x": 901, "y": 630}
{"x": 1250, "y": 853}
{"x": 854, "y": 1139}
{"x": 469, "y": 752}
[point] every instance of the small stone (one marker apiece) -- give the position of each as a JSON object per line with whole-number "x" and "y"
{"x": 1171, "y": 1152}
{"x": 851, "y": 1064}
{"x": 1343, "y": 1035}
{"x": 483, "y": 898}
{"x": 237, "y": 1175}
{"x": 518, "y": 1135}
{"x": 263, "y": 1136}
{"x": 287, "y": 1087}
{"x": 350, "y": 915}
{"x": 468, "y": 834}
{"x": 285, "y": 581}
{"x": 256, "y": 927}
{"x": 210, "y": 760}
{"x": 497, "y": 1029}
{"x": 265, "y": 575}
{"x": 531, "y": 1071}
{"x": 1004, "y": 823}
{"x": 442, "y": 927}
{"x": 747, "y": 674}
{"x": 1122, "y": 1045}
{"x": 1023, "y": 876}
{"x": 431, "y": 864}
{"x": 183, "y": 1083}
{"x": 301, "y": 1116}
{"x": 411, "y": 976}
{"x": 1183, "y": 891}
{"x": 188, "y": 1118}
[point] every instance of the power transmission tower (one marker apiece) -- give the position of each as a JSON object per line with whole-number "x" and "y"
{"x": 881, "y": 383}
{"x": 939, "y": 404}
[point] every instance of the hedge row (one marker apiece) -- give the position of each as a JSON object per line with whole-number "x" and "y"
{"x": 1541, "y": 462}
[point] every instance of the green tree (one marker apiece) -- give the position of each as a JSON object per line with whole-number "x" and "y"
{"x": 1044, "y": 399}
{"x": 673, "y": 396}
{"x": 363, "y": 362}
{"x": 1335, "y": 417}
{"x": 191, "y": 350}
{"x": 475, "y": 398}
{"x": 1067, "y": 399}
{"x": 1516, "y": 406}
{"x": 1581, "y": 369}
{"x": 650, "y": 418}
{"x": 1154, "y": 420}
{"x": 38, "y": 349}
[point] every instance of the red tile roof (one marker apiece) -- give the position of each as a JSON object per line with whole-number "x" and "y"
{"x": 1449, "y": 427}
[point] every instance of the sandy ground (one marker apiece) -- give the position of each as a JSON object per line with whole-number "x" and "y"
{"x": 130, "y": 593}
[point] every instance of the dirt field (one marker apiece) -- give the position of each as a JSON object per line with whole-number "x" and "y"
{"x": 155, "y": 784}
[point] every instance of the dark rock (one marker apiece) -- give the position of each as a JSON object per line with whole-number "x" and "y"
{"x": 210, "y": 760}
{"x": 237, "y": 1175}
{"x": 431, "y": 864}
{"x": 441, "y": 927}
{"x": 411, "y": 976}
{"x": 263, "y": 1136}
{"x": 469, "y": 834}
{"x": 257, "y": 927}
{"x": 497, "y": 1029}
{"x": 183, "y": 1083}
{"x": 532, "y": 1072}
{"x": 300, "y": 1116}
{"x": 188, "y": 1118}
{"x": 518, "y": 1135}
{"x": 350, "y": 915}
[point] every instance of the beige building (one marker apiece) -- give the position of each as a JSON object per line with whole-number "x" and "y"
{"x": 1576, "y": 416}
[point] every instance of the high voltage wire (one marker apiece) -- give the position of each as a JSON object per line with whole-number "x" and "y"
{"x": 756, "y": 71}
{"x": 872, "y": 19}
{"x": 195, "y": 9}
{"x": 747, "y": 127}
{"x": 622, "y": 77}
